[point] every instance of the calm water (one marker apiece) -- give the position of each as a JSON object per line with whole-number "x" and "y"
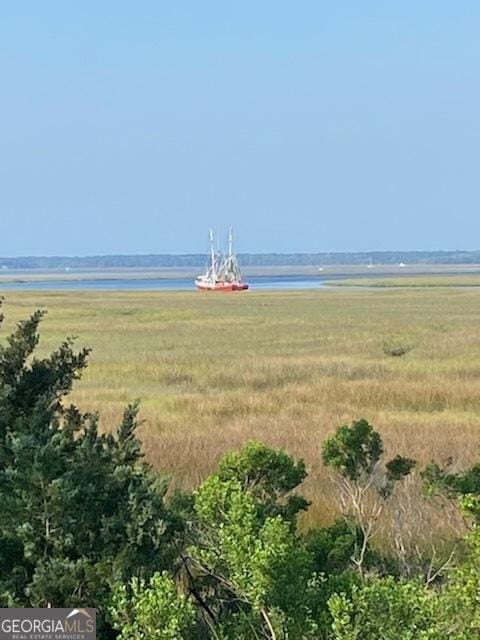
{"x": 161, "y": 284}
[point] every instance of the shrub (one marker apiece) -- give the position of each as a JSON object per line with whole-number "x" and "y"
{"x": 396, "y": 349}
{"x": 152, "y": 609}
{"x": 461, "y": 598}
{"x": 366, "y": 483}
{"x": 385, "y": 609}
{"x": 247, "y": 567}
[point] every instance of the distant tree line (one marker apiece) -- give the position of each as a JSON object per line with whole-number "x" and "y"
{"x": 84, "y": 521}
{"x": 246, "y": 259}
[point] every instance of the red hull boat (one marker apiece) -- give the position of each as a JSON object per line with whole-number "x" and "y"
{"x": 222, "y": 286}
{"x": 223, "y": 274}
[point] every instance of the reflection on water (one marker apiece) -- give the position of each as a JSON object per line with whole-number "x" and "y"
{"x": 162, "y": 284}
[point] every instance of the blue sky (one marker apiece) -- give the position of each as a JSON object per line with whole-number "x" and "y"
{"x": 309, "y": 126}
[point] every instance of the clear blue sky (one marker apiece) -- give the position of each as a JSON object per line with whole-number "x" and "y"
{"x": 131, "y": 127}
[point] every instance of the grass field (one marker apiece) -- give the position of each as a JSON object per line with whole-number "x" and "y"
{"x": 436, "y": 280}
{"x": 213, "y": 371}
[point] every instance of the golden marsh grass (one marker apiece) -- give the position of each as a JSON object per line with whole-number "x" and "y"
{"x": 432, "y": 280}
{"x": 213, "y": 371}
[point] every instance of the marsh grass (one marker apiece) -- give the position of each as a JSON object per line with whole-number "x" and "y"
{"x": 286, "y": 368}
{"x": 436, "y": 280}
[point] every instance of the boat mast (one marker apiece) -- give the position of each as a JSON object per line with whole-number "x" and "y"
{"x": 230, "y": 242}
{"x": 212, "y": 251}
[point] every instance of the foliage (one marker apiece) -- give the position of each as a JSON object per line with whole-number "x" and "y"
{"x": 464, "y": 487}
{"x": 152, "y": 609}
{"x": 396, "y": 349}
{"x": 355, "y": 453}
{"x": 461, "y": 598}
{"x": 269, "y": 476}
{"x": 333, "y": 547}
{"x": 80, "y": 509}
{"x": 385, "y": 609}
{"x": 247, "y": 567}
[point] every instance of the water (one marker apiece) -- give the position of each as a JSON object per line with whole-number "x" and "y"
{"x": 157, "y": 284}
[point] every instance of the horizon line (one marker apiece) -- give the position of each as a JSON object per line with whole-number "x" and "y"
{"x": 240, "y": 253}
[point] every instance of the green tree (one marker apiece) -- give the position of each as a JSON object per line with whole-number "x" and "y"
{"x": 366, "y": 482}
{"x": 79, "y": 508}
{"x": 269, "y": 476}
{"x": 248, "y": 569}
{"x": 459, "y": 489}
{"x": 384, "y": 609}
{"x": 152, "y": 609}
{"x": 461, "y": 597}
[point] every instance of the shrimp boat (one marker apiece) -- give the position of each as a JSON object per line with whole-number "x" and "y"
{"x": 223, "y": 274}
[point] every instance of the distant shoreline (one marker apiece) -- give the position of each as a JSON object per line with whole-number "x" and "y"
{"x": 176, "y": 261}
